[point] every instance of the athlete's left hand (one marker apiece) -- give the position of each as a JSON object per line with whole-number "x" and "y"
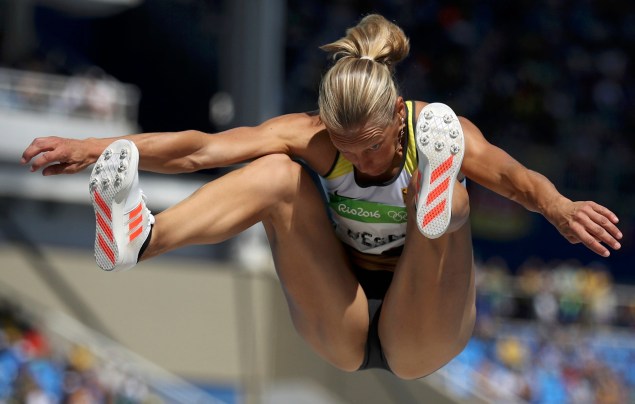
{"x": 587, "y": 222}
{"x": 58, "y": 155}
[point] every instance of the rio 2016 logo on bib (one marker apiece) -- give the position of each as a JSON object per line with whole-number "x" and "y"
{"x": 369, "y": 212}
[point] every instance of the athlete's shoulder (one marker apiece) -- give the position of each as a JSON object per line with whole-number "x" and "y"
{"x": 296, "y": 123}
{"x": 304, "y": 136}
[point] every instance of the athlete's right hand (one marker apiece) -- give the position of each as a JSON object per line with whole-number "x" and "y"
{"x": 56, "y": 155}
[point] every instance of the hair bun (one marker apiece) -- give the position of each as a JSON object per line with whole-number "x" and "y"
{"x": 374, "y": 38}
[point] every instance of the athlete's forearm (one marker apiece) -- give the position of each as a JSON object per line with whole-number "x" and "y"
{"x": 169, "y": 152}
{"x": 495, "y": 169}
{"x": 578, "y": 221}
{"x": 192, "y": 150}
{"x": 175, "y": 152}
{"x": 533, "y": 190}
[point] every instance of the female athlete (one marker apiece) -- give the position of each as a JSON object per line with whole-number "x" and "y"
{"x": 383, "y": 277}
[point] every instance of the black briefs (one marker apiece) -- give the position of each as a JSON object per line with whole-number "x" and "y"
{"x": 375, "y": 285}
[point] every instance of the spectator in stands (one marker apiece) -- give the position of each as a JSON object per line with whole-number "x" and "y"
{"x": 566, "y": 364}
{"x": 34, "y": 371}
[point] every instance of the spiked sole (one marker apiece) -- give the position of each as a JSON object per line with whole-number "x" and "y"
{"x": 110, "y": 183}
{"x": 440, "y": 146}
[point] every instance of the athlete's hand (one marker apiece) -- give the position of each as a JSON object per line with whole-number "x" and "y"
{"x": 588, "y": 223}
{"x": 56, "y": 155}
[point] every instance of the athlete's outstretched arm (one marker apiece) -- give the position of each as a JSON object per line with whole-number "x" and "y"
{"x": 170, "y": 152}
{"x": 162, "y": 152}
{"x": 578, "y": 221}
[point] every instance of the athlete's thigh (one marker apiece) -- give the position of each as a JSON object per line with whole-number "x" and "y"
{"x": 225, "y": 206}
{"x": 327, "y": 305}
{"x": 428, "y": 312}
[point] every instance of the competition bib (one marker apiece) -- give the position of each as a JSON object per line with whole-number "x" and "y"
{"x": 368, "y": 226}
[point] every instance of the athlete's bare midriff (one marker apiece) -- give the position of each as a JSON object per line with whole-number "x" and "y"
{"x": 374, "y": 262}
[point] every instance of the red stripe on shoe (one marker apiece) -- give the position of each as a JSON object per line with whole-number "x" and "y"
{"x": 106, "y": 249}
{"x": 135, "y": 223}
{"x": 441, "y": 188}
{"x": 443, "y": 167}
{"x": 136, "y": 233}
{"x": 136, "y": 211}
{"x": 433, "y": 213}
{"x": 103, "y": 205}
{"x": 104, "y": 226}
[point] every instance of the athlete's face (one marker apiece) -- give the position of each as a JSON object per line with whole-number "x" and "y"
{"x": 372, "y": 150}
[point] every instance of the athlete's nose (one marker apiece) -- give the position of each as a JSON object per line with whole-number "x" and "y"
{"x": 364, "y": 165}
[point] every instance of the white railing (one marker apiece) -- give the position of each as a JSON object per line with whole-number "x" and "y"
{"x": 91, "y": 95}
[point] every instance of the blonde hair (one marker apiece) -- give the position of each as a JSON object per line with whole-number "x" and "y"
{"x": 359, "y": 89}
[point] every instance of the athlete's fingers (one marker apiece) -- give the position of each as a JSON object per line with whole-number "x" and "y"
{"x": 601, "y": 236}
{"x": 47, "y": 158}
{"x": 593, "y": 236}
{"x": 45, "y": 151}
{"x": 604, "y": 212}
{"x": 599, "y": 223}
{"x": 605, "y": 231}
{"x": 60, "y": 168}
{"x": 589, "y": 240}
{"x": 54, "y": 150}
{"x": 37, "y": 146}
{"x": 29, "y": 152}
{"x": 598, "y": 248}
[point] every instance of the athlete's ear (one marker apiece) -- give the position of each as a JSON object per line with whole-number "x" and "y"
{"x": 400, "y": 107}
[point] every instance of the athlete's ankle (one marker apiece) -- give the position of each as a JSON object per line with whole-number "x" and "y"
{"x": 145, "y": 244}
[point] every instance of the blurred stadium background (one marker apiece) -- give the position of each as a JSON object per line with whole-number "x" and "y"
{"x": 549, "y": 81}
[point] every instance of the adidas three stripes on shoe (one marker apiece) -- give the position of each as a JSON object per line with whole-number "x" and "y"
{"x": 123, "y": 221}
{"x": 440, "y": 147}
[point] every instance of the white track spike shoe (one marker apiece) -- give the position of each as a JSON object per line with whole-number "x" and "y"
{"x": 440, "y": 146}
{"x": 123, "y": 220}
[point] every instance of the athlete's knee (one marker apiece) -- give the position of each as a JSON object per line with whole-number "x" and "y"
{"x": 275, "y": 174}
{"x": 433, "y": 357}
{"x": 342, "y": 347}
{"x": 424, "y": 357}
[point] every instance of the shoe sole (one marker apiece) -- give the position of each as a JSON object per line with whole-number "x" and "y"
{"x": 440, "y": 145}
{"x": 110, "y": 183}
